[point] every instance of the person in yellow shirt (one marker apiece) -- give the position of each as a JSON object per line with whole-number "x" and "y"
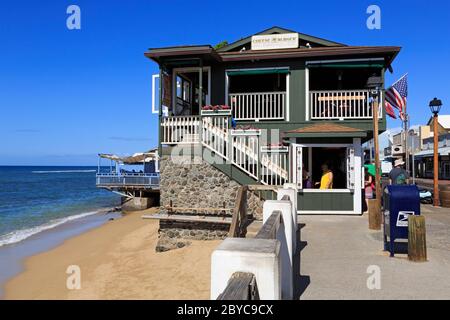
{"x": 326, "y": 182}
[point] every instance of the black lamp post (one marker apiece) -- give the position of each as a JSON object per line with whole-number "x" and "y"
{"x": 374, "y": 84}
{"x": 435, "y": 106}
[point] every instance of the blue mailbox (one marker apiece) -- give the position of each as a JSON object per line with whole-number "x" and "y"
{"x": 400, "y": 201}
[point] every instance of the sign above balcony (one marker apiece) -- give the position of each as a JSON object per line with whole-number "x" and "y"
{"x": 275, "y": 41}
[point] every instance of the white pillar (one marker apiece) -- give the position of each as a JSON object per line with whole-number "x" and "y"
{"x": 258, "y": 256}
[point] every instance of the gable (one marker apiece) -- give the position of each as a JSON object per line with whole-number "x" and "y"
{"x": 303, "y": 40}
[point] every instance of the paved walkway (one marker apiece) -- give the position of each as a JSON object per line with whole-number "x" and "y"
{"x": 337, "y": 250}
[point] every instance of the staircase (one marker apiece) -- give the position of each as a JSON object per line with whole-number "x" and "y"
{"x": 243, "y": 149}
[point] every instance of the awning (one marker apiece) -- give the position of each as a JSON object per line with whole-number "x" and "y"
{"x": 136, "y": 158}
{"x": 429, "y": 153}
{"x": 257, "y": 71}
{"x": 326, "y": 130}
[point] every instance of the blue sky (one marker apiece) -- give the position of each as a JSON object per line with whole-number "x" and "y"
{"x": 66, "y": 95}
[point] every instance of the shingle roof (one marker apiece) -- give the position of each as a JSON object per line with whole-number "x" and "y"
{"x": 325, "y": 127}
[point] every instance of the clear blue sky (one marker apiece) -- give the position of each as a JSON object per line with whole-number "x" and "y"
{"x": 66, "y": 95}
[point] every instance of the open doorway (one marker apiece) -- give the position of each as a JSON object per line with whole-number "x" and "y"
{"x": 188, "y": 96}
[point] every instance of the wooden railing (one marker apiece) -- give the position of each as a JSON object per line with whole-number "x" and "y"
{"x": 274, "y": 167}
{"x": 215, "y": 134}
{"x": 341, "y": 104}
{"x": 241, "y": 286}
{"x": 244, "y": 154}
{"x": 239, "y": 220}
{"x": 180, "y": 129}
{"x": 258, "y": 105}
{"x": 268, "y": 166}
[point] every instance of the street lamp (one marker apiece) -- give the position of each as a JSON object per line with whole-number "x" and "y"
{"x": 374, "y": 84}
{"x": 435, "y": 107}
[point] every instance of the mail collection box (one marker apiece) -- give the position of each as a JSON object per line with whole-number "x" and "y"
{"x": 399, "y": 202}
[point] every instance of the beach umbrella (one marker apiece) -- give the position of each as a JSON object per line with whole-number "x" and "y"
{"x": 370, "y": 169}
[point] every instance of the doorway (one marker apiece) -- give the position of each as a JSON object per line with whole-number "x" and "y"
{"x": 191, "y": 90}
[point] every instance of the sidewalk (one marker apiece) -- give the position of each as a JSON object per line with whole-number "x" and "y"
{"x": 336, "y": 251}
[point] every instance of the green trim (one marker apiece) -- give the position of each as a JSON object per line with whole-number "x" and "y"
{"x": 257, "y": 71}
{"x": 348, "y": 65}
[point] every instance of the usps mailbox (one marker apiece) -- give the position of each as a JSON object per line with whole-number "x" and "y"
{"x": 400, "y": 201}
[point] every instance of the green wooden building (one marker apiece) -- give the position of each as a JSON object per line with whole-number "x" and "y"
{"x": 271, "y": 108}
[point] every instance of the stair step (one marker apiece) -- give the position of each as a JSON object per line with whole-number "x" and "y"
{"x": 188, "y": 218}
{"x": 253, "y": 228}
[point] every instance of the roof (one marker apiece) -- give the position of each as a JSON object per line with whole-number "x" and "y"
{"x": 276, "y": 30}
{"x": 444, "y": 121}
{"x": 139, "y": 157}
{"x": 325, "y": 129}
{"x": 320, "y": 48}
{"x": 390, "y": 51}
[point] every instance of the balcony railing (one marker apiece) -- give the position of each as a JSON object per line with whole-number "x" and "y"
{"x": 258, "y": 105}
{"x": 180, "y": 129}
{"x": 341, "y": 104}
{"x": 150, "y": 180}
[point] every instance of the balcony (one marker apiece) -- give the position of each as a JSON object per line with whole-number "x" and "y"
{"x": 145, "y": 180}
{"x": 256, "y": 106}
{"x": 341, "y": 105}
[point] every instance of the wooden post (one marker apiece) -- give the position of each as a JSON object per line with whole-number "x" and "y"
{"x": 374, "y": 215}
{"x": 377, "y": 161}
{"x": 417, "y": 245}
{"x": 435, "y": 161}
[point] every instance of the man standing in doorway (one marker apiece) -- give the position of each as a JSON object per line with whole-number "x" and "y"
{"x": 398, "y": 175}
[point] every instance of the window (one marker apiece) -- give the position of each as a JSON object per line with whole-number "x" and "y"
{"x": 312, "y": 161}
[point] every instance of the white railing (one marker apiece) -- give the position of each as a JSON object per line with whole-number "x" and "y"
{"x": 341, "y": 104}
{"x": 244, "y": 154}
{"x": 258, "y": 105}
{"x": 274, "y": 167}
{"x": 180, "y": 129}
{"x": 215, "y": 134}
{"x": 150, "y": 180}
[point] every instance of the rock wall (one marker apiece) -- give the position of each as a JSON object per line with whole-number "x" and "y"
{"x": 194, "y": 183}
{"x": 197, "y": 184}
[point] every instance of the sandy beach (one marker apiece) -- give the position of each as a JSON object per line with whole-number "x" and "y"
{"x": 117, "y": 261}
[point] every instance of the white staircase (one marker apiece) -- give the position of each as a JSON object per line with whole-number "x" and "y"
{"x": 242, "y": 148}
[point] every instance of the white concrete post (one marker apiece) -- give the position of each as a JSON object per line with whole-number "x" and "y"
{"x": 284, "y": 235}
{"x": 258, "y": 256}
{"x": 292, "y": 194}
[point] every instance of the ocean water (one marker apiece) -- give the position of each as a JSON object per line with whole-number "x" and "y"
{"x": 36, "y": 199}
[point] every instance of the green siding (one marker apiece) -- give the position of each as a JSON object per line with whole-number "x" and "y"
{"x": 323, "y": 201}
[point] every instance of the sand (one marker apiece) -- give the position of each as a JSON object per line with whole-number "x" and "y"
{"x": 117, "y": 261}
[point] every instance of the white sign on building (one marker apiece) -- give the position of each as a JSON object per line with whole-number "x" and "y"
{"x": 275, "y": 41}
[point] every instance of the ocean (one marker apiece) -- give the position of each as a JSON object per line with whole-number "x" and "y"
{"x": 34, "y": 199}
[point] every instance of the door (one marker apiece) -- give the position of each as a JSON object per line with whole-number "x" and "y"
{"x": 297, "y": 165}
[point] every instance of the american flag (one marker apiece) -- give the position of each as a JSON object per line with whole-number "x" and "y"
{"x": 396, "y": 96}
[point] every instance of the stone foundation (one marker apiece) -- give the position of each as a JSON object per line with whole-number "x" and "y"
{"x": 175, "y": 234}
{"x": 197, "y": 184}
{"x": 194, "y": 183}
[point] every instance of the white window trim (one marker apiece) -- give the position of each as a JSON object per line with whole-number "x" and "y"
{"x": 189, "y": 69}
{"x": 322, "y": 145}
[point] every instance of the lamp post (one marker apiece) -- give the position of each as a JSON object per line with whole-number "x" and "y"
{"x": 374, "y": 84}
{"x": 435, "y": 107}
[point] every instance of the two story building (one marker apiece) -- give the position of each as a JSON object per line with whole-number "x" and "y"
{"x": 268, "y": 109}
